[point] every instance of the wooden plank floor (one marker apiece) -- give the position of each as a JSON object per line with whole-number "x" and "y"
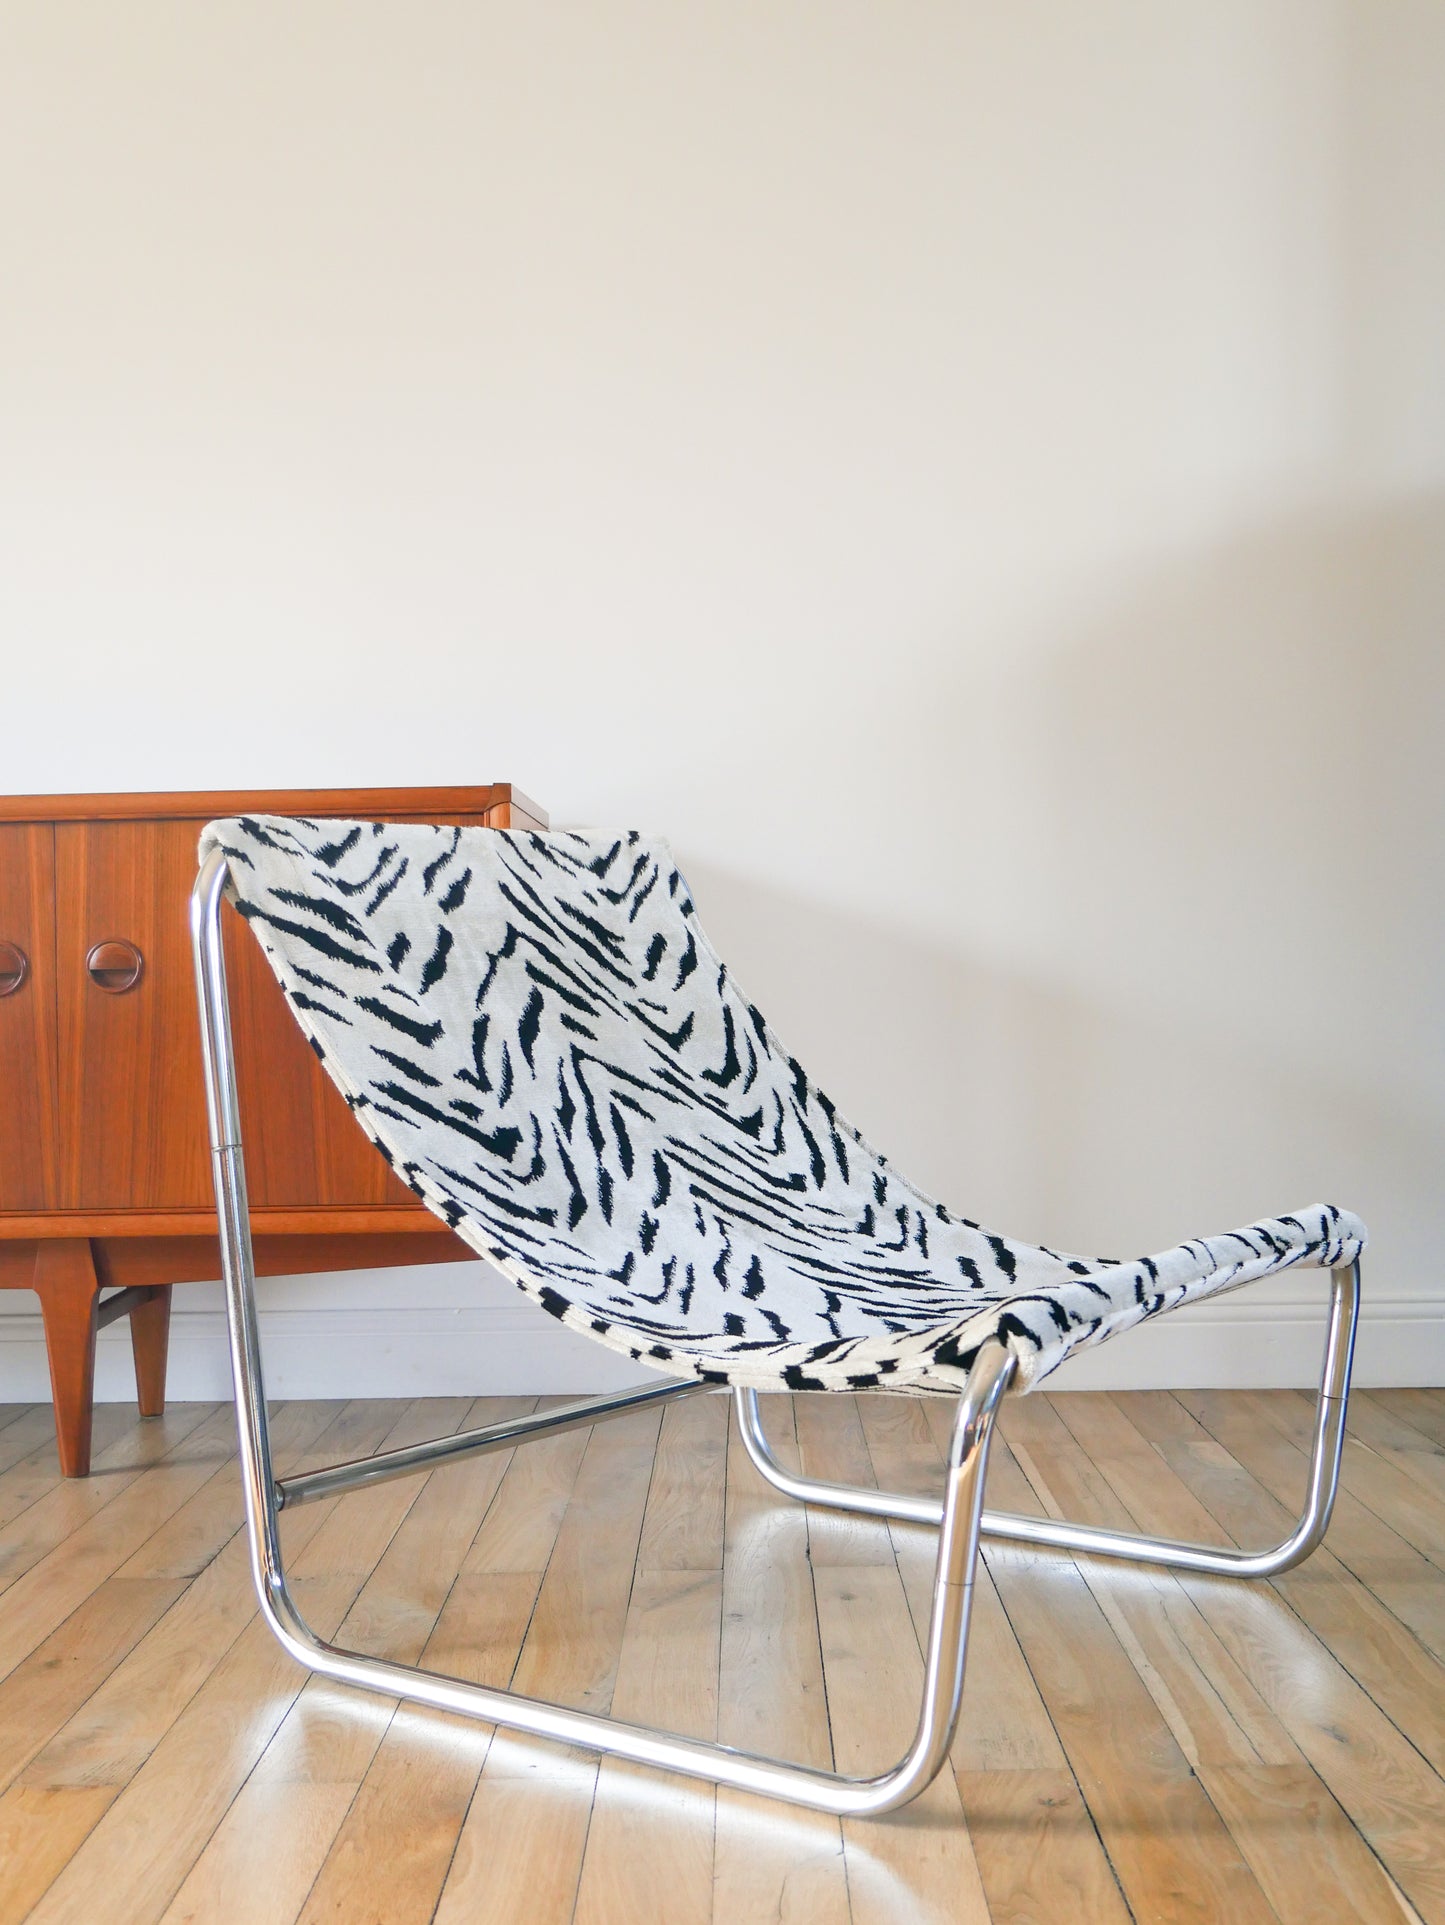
{"x": 1133, "y": 1745}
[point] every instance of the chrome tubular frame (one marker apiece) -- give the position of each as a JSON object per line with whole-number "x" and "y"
{"x": 958, "y": 1513}
{"x": 1321, "y": 1486}
{"x": 361, "y": 1471}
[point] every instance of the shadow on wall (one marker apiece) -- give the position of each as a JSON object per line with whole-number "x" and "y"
{"x": 1196, "y": 870}
{"x": 1054, "y": 1117}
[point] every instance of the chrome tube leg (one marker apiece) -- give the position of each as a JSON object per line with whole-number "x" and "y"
{"x": 813, "y": 1490}
{"x": 1309, "y": 1531}
{"x": 960, "y": 1512}
{"x": 953, "y": 1577}
{"x": 238, "y": 1267}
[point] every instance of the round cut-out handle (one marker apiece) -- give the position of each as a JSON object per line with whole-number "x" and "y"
{"x": 115, "y": 966}
{"x": 14, "y": 967}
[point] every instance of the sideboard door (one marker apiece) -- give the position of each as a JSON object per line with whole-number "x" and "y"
{"x": 132, "y": 1101}
{"x": 132, "y": 1091}
{"x": 29, "y": 1136}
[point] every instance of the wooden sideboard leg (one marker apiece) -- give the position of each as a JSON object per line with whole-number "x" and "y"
{"x": 68, "y": 1289}
{"x": 150, "y": 1332}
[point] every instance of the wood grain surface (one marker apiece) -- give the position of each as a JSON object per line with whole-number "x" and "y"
{"x": 1133, "y": 1746}
{"x": 29, "y": 1176}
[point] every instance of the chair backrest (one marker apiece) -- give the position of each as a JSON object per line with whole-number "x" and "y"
{"x": 540, "y": 1038}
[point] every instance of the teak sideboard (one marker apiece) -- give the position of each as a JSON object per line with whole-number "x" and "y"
{"x": 105, "y": 1177}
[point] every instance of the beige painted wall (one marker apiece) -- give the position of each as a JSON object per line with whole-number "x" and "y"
{"x": 974, "y": 475}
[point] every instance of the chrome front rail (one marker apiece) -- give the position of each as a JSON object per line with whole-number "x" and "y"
{"x": 958, "y": 1513}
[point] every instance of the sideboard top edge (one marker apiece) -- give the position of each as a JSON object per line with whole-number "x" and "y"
{"x": 184, "y": 805}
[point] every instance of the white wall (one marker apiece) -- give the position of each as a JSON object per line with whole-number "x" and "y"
{"x": 974, "y": 475}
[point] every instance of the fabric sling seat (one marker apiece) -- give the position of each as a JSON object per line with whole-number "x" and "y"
{"x": 536, "y": 1034}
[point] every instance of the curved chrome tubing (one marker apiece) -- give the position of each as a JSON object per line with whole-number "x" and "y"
{"x": 1323, "y": 1482}
{"x": 959, "y": 1513}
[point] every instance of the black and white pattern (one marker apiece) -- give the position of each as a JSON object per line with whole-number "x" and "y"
{"x": 542, "y": 1042}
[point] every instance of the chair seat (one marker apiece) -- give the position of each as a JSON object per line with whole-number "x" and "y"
{"x": 537, "y": 1035}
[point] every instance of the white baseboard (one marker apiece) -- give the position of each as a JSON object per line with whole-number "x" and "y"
{"x": 511, "y": 1348}
{"x": 403, "y": 1352}
{"x": 1236, "y": 1344}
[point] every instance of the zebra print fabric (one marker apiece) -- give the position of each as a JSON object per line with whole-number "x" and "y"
{"x": 539, "y": 1038}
